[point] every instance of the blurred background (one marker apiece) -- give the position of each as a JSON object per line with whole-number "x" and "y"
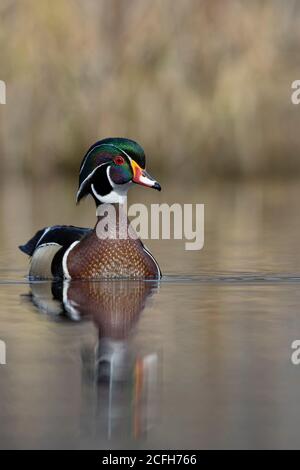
{"x": 203, "y": 85}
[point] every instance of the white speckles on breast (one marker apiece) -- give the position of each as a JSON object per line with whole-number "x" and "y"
{"x": 120, "y": 258}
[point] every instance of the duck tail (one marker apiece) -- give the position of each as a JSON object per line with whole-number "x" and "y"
{"x": 29, "y": 247}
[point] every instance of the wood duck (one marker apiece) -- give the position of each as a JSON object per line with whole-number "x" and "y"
{"x": 108, "y": 169}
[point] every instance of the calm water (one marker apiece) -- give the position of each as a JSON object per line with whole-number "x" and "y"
{"x": 198, "y": 360}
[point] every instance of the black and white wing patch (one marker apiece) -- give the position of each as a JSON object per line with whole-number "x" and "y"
{"x": 63, "y": 235}
{"x": 47, "y": 248}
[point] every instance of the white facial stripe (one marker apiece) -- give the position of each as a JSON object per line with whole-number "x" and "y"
{"x": 130, "y": 161}
{"x": 123, "y": 151}
{"x": 117, "y": 195}
{"x": 82, "y": 165}
{"x": 111, "y": 182}
{"x": 119, "y": 188}
{"x": 88, "y": 177}
{"x": 91, "y": 174}
{"x": 96, "y": 147}
{"x": 112, "y": 198}
{"x": 109, "y": 178}
{"x": 119, "y": 192}
{"x": 101, "y": 145}
{"x": 97, "y": 196}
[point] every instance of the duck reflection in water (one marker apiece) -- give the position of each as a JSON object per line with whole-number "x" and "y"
{"x": 120, "y": 380}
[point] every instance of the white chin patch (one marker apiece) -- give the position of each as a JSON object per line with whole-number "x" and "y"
{"x": 117, "y": 195}
{"x": 114, "y": 197}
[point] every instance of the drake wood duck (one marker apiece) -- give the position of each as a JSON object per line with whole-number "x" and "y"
{"x": 107, "y": 171}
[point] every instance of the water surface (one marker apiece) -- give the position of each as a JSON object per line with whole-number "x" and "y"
{"x": 198, "y": 360}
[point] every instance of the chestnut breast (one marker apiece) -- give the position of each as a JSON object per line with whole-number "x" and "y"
{"x": 94, "y": 257}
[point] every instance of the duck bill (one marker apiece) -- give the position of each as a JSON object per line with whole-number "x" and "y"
{"x": 143, "y": 178}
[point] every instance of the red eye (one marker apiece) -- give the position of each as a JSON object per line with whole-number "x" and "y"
{"x": 119, "y": 160}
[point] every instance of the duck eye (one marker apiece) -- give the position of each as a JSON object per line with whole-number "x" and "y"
{"x": 119, "y": 160}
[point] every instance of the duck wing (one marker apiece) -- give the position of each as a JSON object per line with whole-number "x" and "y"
{"x": 47, "y": 248}
{"x": 63, "y": 235}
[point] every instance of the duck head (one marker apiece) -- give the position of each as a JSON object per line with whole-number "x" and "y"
{"x": 109, "y": 168}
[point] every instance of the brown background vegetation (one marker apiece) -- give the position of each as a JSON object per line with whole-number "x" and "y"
{"x": 203, "y": 85}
